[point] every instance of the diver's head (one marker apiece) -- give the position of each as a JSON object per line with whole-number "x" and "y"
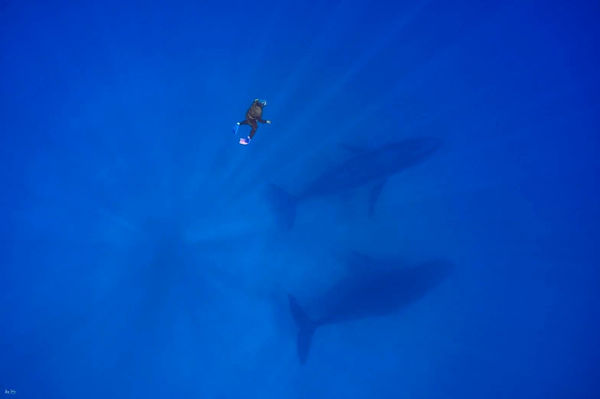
{"x": 263, "y": 103}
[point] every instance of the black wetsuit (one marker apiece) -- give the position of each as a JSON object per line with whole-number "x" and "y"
{"x": 253, "y": 115}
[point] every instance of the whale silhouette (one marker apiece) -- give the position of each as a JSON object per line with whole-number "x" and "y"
{"x": 373, "y": 288}
{"x": 363, "y": 167}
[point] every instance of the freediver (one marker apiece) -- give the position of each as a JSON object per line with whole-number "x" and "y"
{"x": 253, "y": 115}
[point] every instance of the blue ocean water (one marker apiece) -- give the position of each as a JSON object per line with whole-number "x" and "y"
{"x": 145, "y": 253}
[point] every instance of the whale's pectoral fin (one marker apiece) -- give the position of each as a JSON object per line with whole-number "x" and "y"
{"x": 306, "y": 329}
{"x": 374, "y": 196}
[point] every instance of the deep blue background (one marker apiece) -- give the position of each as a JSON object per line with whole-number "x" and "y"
{"x": 139, "y": 256}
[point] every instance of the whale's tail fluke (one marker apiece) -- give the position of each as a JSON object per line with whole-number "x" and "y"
{"x": 306, "y": 329}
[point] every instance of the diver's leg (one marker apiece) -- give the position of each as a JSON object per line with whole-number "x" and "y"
{"x": 244, "y": 122}
{"x": 252, "y": 123}
{"x": 254, "y": 127}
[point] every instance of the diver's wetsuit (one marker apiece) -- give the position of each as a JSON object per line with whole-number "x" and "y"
{"x": 254, "y": 114}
